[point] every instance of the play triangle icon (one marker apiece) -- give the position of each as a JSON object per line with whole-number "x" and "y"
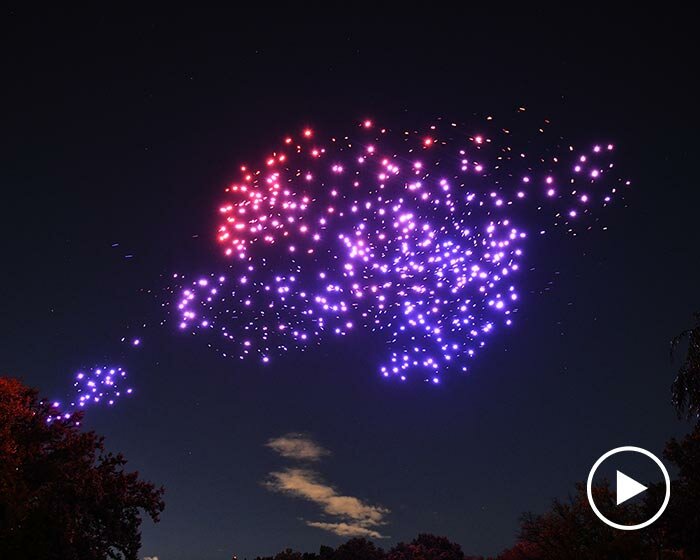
{"x": 627, "y": 488}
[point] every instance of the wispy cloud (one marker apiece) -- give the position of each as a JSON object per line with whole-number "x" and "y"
{"x": 297, "y": 446}
{"x": 351, "y": 517}
{"x": 355, "y": 517}
{"x": 346, "y": 529}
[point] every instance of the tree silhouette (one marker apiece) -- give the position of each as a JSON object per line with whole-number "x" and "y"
{"x": 358, "y": 548}
{"x": 427, "y": 547}
{"x": 61, "y": 494}
{"x": 686, "y": 387}
{"x": 521, "y": 551}
{"x": 681, "y": 520}
{"x": 288, "y": 554}
{"x": 571, "y": 531}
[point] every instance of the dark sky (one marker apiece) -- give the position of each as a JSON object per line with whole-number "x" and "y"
{"x": 125, "y": 127}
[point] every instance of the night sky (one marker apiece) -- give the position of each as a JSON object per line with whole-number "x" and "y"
{"x": 120, "y": 132}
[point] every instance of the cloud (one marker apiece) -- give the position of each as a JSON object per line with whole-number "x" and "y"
{"x": 346, "y": 529}
{"x": 355, "y": 516}
{"x": 150, "y": 558}
{"x": 297, "y": 446}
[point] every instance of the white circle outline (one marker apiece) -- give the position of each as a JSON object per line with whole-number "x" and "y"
{"x": 589, "y": 486}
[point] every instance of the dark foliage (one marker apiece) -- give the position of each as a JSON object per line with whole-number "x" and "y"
{"x": 62, "y": 495}
{"x": 571, "y": 531}
{"x": 682, "y": 518}
{"x": 686, "y": 387}
{"x": 426, "y": 547}
{"x": 358, "y": 548}
{"x": 354, "y": 548}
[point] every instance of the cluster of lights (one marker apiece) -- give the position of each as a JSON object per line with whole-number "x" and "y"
{"x": 418, "y": 235}
{"x": 100, "y": 385}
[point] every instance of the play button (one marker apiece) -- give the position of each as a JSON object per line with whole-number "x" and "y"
{"x": 624, "y": 462}
{"x": 627, "y": 488}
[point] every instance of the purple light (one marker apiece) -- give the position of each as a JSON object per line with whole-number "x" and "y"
{"x": 92, "y": 387}
{"x": 356, "y": 234}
